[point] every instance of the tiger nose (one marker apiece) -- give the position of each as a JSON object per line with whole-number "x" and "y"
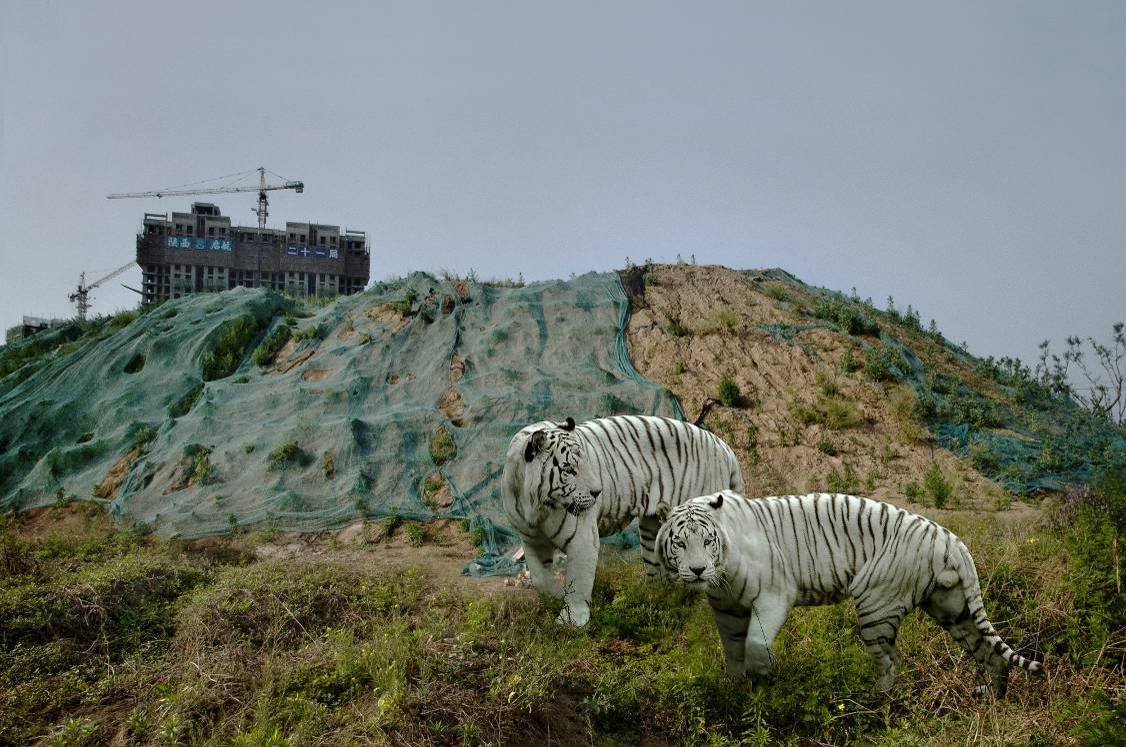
{"x": 595, "y": 493}
{"x": 697, "y": 569}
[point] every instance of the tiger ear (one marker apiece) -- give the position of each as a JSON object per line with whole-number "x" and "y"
{"x": 663, "y": 510}
{"x": 569, "y": 425}
{"x": 535, "y": 445}
{"x": 717, "y": 502}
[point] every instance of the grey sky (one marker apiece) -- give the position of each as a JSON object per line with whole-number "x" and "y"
{"x": 969, "y": 159}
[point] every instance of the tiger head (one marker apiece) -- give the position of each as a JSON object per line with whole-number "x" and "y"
{"x": 556, "y": 471}
{"x": 691, "y": 545}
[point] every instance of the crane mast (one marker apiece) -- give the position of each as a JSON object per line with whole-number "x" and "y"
{"x": 81, "y": 295}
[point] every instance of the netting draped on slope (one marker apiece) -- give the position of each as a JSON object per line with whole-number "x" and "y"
{"x": 348, "y": 421}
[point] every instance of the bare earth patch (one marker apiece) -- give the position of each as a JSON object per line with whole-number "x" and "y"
{"x": 729, "y": 328}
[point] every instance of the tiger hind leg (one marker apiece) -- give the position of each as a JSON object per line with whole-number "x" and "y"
{"x": 949, "y": 609}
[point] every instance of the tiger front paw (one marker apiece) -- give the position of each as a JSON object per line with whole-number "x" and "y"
{"x": 576, "y": 617}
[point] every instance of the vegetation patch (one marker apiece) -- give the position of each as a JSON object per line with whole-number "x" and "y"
{"x": 442, "y": 446}
{"x": 266, "y": 351}
{"x": 287, "y": 455}
{"x": 229, "y": 347}
{"x": 729, "y": 393}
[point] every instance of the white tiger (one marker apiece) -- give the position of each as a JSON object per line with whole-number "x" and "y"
{"x": 565, "y": 485}
{"x": 757, "y": 559}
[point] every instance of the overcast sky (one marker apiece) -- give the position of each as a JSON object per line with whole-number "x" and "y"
{"x": 969, "y": 159}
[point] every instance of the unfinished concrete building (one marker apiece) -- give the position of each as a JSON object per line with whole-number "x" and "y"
{"x": 201, "y": 251}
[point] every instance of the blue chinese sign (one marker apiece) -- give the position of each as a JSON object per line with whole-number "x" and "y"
{"x": 209, "y": 245}
{"x": 318, "y": 252}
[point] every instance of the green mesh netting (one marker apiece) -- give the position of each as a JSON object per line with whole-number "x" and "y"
{"x": 345, "y": 424}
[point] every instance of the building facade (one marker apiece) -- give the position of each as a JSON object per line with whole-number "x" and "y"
{"x": 201, "y": 251}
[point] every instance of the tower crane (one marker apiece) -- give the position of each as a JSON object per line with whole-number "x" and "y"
{"x": 81, "y": 295}
{"x": 262, "y": 188}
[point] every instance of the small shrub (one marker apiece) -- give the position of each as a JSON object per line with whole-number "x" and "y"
{"x": 729, "y": 393}
{"x": 878, "y": 365}
{"x": 937, "y": 486}
{"x": 443, "y": 448}
{"x": 913, "y": 491}
{"x": 825, "y": 446}
{"x": 248, "y": 448}
{"x": 287, "y": 455}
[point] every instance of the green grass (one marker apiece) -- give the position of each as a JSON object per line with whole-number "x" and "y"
{"x": 109, "y": 633}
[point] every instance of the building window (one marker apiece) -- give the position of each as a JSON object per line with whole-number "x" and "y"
{"x": 302, "y": 238}
{"x": 211, "y": 230}
{"x": 293, "y": 237}
{"x": 190, "y": 230}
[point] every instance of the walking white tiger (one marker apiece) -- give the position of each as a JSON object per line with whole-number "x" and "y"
{"x": 757, "y": 559}
{"x": 565, "y": 485}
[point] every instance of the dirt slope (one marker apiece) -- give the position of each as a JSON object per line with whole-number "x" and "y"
{"x": 796, "y": 392}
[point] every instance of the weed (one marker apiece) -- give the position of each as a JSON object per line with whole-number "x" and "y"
{"x": 722, "y": 321}
{"x": 825, "y": 446}
{"x": 848, "y": 360}
{"x": 416, "y": 534}
{"x": 912, "y": 490}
